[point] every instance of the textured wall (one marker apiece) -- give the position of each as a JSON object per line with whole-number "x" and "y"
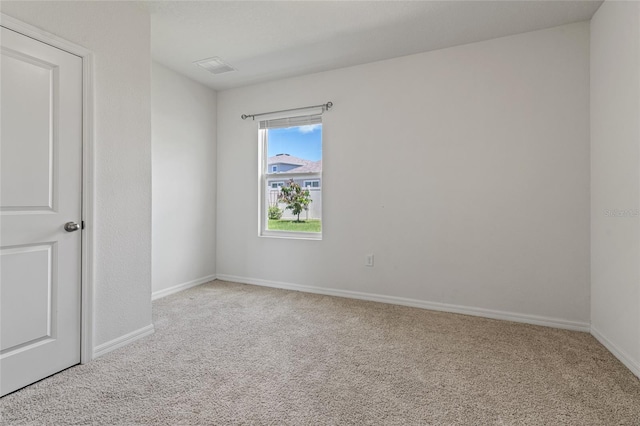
{"x": 119, "y": 35}
{"x": 490, "y": 208}
{"x": 615, "y": 178}
{"x": 183, "y": 117}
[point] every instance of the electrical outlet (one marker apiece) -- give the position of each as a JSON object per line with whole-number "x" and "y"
{"x": 369, "y": 261}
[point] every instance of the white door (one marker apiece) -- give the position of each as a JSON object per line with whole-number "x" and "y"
{"x": 40, "y": 191}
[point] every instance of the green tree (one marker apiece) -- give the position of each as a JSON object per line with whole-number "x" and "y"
{"x": 295, "y": 197}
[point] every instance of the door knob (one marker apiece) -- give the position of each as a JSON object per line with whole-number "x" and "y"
{"x": 71, "y": 226}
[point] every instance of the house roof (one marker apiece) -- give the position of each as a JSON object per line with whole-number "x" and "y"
{"x": 310, "y": 167}
{"x": 286, "y": 159}
{"x": 304, "y": 166}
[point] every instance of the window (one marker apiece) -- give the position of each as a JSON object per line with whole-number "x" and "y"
{"x": 292, "y": 205}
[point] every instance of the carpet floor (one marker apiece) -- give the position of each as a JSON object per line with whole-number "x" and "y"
{"x": 226, "y": 353}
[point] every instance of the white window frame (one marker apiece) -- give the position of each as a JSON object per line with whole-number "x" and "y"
{"x": 274, "y": 168}
{"x": 278, "y": 183}
{"x": 310, "y": 181}
{"x": 263, "y": 175}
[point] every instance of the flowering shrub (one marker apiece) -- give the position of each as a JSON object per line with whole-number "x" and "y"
{"x": 295, "y": 197}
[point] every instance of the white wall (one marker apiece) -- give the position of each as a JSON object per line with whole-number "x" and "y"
{"x": 493, "y": 139}
{"x": 119, "y": 35}
{"x": 183, "y": 122}
{"x": 615, "y": 179}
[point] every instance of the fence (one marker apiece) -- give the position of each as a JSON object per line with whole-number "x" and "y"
{"x": 315, "y": 207}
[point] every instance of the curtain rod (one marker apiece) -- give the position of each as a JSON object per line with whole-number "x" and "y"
{"x": 325, "y": 107}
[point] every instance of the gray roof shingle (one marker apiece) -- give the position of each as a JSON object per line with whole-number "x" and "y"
{"x": 304, "y": 166}
{"x": 310, "y": 167}
{"x": 286, "y": 159}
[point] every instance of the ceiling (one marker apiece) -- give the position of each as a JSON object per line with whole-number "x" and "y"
{"x": 269, "y": 40}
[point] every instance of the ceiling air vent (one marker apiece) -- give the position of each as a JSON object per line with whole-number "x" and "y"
{"x": 215, "y": 65}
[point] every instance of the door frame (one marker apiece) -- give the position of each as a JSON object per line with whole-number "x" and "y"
{"x": 87, "y": 277}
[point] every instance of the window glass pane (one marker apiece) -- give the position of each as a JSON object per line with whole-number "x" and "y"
{"x": 294, "y": 203}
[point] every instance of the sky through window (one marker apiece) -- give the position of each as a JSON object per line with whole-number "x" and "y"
{"x": 302, "y": 141}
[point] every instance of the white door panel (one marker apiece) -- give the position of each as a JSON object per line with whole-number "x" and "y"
{"x": 40, "y": 190}
{"x": 26, "y": 169}
{"x": 29, "y": 306}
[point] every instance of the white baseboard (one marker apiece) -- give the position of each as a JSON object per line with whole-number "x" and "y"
{"x": 122, "y": 341}
{"x": 176, "y": 288}
{"x": 434, "y": 306}
{"x": 624, "y": 358}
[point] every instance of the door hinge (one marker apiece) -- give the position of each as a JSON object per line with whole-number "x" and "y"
{"x": 82, "y": 225}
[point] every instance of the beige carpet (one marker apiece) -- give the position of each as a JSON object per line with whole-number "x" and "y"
{"x": 227, "y": 353}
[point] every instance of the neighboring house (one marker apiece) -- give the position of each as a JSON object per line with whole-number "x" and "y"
{"x": 283, "y": 167}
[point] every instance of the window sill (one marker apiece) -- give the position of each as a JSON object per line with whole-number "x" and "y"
{"x": 314, "y": 236}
